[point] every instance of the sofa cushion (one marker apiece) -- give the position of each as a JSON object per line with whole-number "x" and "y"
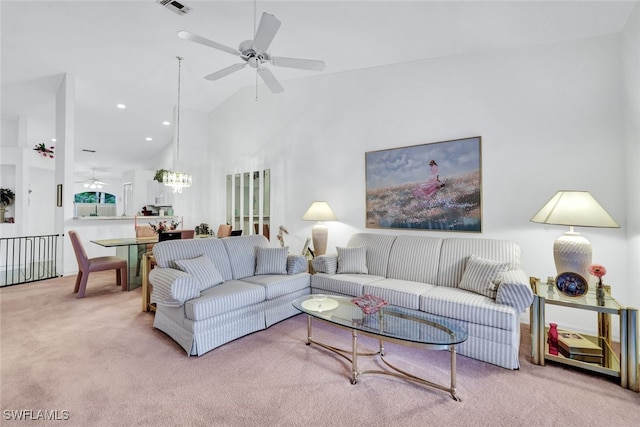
{"x": 415, "y": 258}
{"x": 468, "y": 307}
{"x": 168, "y": 251}
{"x": 271, "y": 260}
{"x": 325, "y": 264}
{"x": 456, "y": 251}
{"x": 352, "y": 260}
{"x": 297, "y": 264}
{"x": 202, "y": 269}
{"x": 228, "y": 296}
{"x": 398, "y": 292}
{"x": 378, "y": 248}
{"x": 241, "y": 251}
{"x": 343, "y": 284}
{"x": 278, "y": 285}
{"x": 482, "y": 276}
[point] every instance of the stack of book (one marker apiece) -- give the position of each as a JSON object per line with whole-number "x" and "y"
{"x": 577, "y": 347}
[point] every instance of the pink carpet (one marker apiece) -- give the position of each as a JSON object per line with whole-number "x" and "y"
{"x": 98, "y": 361}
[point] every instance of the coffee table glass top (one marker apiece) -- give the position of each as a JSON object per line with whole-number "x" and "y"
{"x": 389, "y": 322}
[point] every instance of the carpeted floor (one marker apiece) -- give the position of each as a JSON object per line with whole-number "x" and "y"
{"x": 98, "y": 361}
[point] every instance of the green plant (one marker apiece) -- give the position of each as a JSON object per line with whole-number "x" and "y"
{"x": 6, "y": 197}
{"x": 158, "y": 175}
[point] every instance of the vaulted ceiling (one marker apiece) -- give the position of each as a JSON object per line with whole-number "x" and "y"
{"x": 125, "y": 52}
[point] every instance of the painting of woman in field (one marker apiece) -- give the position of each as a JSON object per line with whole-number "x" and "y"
{"x": 430, "y": 186}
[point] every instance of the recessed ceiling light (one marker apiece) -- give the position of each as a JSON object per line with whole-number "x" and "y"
{"x": 53, "y": 140}
{"x": 149, "y": 138}
{"x": 166, "y": 123}
{"x": 121, "y": 106}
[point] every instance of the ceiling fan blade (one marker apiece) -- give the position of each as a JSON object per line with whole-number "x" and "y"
{"x": 303, "y": 64}
{"x": 267, "y": 30}
{"x": 225, "y": 71}
{"x": 196, "y": 38}
{"x": 270, "y": 80}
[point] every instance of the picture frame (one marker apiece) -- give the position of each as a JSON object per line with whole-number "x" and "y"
{"x": 572, "y": 284}
{"x": 305, "y": 248}
{"x": 433, "y": 186}
{"x": 59, "y": 195}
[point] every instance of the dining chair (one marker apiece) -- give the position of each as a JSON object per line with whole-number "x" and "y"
{"x": 187, "y": 234}
{"x": 224, "y": 230}
{"x": 88, "y": 265}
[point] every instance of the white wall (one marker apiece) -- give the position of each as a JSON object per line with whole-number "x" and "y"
{"x": 550, "y": 118}
{"x": 631, "y": 99}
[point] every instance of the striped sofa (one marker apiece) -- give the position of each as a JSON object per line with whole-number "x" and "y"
{"x": 211, "y": 291}
{"x": 476, "y": 282}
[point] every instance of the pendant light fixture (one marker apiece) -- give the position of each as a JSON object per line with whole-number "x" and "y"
{"x": 174, "y": 179}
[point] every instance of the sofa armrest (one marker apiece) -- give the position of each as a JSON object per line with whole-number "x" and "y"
{"x": 514, "y": 290}
{"x": 325, "y": 264}
{"x": 296, "y": 264}
{"x": 172, "y": 287}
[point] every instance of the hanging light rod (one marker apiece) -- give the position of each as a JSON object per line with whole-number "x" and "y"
{"x": 177, "y": 180}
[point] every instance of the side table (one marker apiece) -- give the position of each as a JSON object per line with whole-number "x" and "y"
{"x": 623, "y": 365}
{"x": 148, "y": 262}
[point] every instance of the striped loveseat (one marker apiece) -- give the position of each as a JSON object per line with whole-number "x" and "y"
{"x": 211, "y": 291}
{"x": 476, "y": 282}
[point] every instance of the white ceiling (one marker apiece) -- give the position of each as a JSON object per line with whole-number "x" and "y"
{"x": 125, "y": 52}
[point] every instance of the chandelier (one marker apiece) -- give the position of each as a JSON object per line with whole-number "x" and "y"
{"x": 177, "y": 180}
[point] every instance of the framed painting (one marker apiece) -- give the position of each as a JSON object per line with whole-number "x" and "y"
{"x": 436, "y": 186}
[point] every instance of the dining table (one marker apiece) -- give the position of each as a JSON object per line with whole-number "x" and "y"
{"x": 130, "y": 248}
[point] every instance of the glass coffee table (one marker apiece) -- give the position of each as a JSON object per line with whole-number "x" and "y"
{"x": 389, "y": 324}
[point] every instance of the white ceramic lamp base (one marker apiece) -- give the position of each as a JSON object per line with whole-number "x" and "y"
{"x": 572, "y": 253}
{"x": 319, "y": 234}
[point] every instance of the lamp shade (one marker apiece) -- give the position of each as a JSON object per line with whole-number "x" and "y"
{"x": 319, "y": 211}
{"x": 574, "y": 208}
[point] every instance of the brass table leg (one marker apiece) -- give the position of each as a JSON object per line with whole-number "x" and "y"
{"x": 632, "y": 349}
{"x": 453, "y": 374}
{"x": 354, "y": 356}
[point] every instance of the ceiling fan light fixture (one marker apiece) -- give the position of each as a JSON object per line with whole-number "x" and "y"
{"x": 255, "y": 53}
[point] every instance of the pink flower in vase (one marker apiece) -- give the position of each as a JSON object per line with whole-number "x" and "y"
{"x": 597, "y": 270}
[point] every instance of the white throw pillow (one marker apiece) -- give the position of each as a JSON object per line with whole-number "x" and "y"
{"x": 203, "y": 270}
{"x": 271, "y": 260}
{"x": 482, "y": 276}
{"x": 352, "y": 260}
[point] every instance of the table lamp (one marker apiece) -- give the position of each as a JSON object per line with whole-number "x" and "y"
{"x": 319, "y": 211}
{"x": 571, "y": 251}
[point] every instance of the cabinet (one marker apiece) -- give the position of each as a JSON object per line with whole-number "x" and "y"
{"x": 159, "y": 194}
{"x": 248, "y": 202}
{"x": 622, "y": 364}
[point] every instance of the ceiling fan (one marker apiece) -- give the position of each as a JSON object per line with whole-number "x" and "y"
{"x": 93, "y": 183}
{"x": 254, "y": 53}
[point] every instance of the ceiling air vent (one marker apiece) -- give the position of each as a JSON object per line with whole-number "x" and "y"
{"x": 175, "y": 6}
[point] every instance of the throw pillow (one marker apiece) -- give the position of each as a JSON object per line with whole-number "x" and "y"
{"x": 352, "y": 260}
{"x": 297, "y": 264}
{"x": 482, "y": 276}
{"x": 203, "y": 270}
{"x": 271, "y": 260}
